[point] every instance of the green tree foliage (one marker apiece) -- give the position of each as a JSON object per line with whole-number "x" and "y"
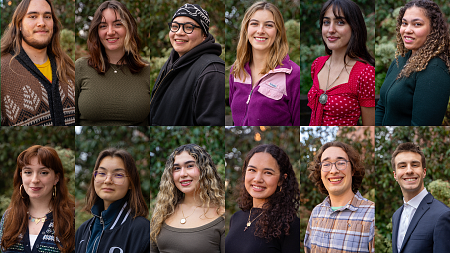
{"x": 435, "y": 145}
{"x": 312, "y": 138}
{"x": 311, "y": 39}
{"x": 240, "y": 140}
{"x": 90, "y": 141}
{"x": 166, "y": 139}
{"x": 84, "y": 13}
{"x": 14, "y": 140}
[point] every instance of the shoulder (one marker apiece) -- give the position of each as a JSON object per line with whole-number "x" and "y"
{"x": 85, "y": 225}
{"x": 211, "y": 58}
{"x": 140, "y": 223}
{"x": 81, "y": 61}
{"x": 436, "y": 66}
{"x": 438, "y": 205}
{"x": 321, "y": 59}
{"x": 238, "y": 215}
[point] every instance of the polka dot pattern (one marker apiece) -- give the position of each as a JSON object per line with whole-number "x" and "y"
{"x": 343, "y": 107}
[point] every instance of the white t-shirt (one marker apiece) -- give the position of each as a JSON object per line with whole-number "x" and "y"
{"x": 32, "y": 240}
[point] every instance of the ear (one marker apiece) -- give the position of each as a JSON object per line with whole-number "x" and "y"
{"x": 424, "y": 172}
{"x": 281, "y": 182}
{"x": 395, "y": 175}
{"x": 56, "y": 179}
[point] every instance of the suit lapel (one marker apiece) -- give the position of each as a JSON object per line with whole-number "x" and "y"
{"x": 421, "y": 210}
{"x": 395, "y": 225}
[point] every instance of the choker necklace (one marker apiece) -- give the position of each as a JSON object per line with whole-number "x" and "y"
{"x": 36, "y": 219}
{"x": 183, "y": 220}
{"x": 324, "y": 97}
{"x": 249, "y": 223}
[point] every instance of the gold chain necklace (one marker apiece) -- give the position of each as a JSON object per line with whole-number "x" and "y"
{"x": 324, "y": 97}
{"x": 38, "y": 219}
{"x": 249, "y": 223}
{"x": 183, "y": 220}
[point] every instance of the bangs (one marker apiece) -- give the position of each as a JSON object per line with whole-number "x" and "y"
{"x": 47, "y": 157}
{"x": 338, "y": 12}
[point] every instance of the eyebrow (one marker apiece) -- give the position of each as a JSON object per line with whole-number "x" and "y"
{"x": 269, "y": 21}
{"x": 114, "y": 170}
{"x": 35, "y": 12}
{"x": 187, "y": 162}
{"x": 414, "y": 20}
{"x": 40, "y": 168}
{"x": 413, "y": 161}
{"x": 263, "y": 169}
{"x": 337, "y": 158}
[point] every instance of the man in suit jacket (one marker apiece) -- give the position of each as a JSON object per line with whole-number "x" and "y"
{"x": 422, "y": 224}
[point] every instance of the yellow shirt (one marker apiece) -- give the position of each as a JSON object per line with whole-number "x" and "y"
{"x": 46, "y": 69}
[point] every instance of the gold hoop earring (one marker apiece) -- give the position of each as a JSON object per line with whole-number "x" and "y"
{"x": 54, "y": 191}
{"x": 20, "y": 191}
{"x": 281, "y": 187}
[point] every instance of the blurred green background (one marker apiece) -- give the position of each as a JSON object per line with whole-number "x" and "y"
{"x": 240, "y": 140}
{"x": 161, "y": 12}
{"x": 312, "y": 138}
{"x": 14, "y": 140}
{"x": 164, "y": 140}
{"x": 90, "y": 141}
{"x": 234, "y": 13}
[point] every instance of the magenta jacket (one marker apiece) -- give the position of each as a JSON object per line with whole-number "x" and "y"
{"x": 275, "y": 100}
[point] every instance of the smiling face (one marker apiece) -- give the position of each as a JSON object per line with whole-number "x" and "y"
{"x": 185, "y": 172}
{"x": 262, "y": 176}
{"x": 112, "y": 32}
{"x": 183, "y": 42}
{"x": 113, "y": 170}
{"x": 409, "y": 173}
{"x": 415, "y": 28}
{"x": 261, "y": 31}
{"x": 336, "y": 32}
{"x": 38, "y": 180}
{"x": 337, "y": 182}
{"x": 37, "y": 25}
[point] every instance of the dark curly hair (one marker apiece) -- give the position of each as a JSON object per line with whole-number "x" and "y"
{"x": 436, "y": 45}
{"x": 355, "y": 160}
{"x": 408, "y": 147}
{"x": 280, "y": 208}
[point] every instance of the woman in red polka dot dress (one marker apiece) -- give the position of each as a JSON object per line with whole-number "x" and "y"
{"x": 344, "y": 80}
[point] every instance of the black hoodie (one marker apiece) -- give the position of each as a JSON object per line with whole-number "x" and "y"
{"x": 190, "y": 90}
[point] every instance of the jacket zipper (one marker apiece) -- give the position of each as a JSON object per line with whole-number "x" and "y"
{"x": 157, "y": 87}
{"x": 250, "y": 95}
{"x": 100, "y": 237}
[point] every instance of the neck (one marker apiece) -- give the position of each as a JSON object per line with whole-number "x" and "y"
{"x": 115, "y": 56}
{"x": 337, "y": 58}
{"x": 38, "y": 56}
{"x": 192, "y": 200}
{"x": 410, "y": 195}
{"x": 258, "y": 203}
{"x": 39, "y": 207}
{"x": 259, "y": 61}
{"x": 341, "y": 200}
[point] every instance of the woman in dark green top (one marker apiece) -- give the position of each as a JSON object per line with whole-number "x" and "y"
{"x": 417, "y": 85}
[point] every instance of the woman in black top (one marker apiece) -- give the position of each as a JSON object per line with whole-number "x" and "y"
{"x": 269, "y": 196}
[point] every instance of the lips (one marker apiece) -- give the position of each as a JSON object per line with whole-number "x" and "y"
{"x": 112, "y": 40}
{"x": 332, "y": 38}
{"x": 408, "y": 39}
{"x": 185, "y": 182}
{"x": 258, "y": 188}
{"x": 335, "y": 180}
{"x": 260, "y": 39}
{"x": 35, "y": 189}
{"x": 410, "y": 179}
{"x": 107, "y": 189}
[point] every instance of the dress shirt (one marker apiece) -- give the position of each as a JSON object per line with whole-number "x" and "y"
{"x": 409, "y": 209}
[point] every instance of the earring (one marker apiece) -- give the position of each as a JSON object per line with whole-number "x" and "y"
{"x": 281, "y": 187}
{"x": 54, "y": 191}
{"x": 20, "y": 191}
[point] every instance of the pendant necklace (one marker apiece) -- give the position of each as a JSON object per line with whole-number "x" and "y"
{"x": 183, "y": 220}
{"x": 37, "y": 219}
{"x": 249, "y": 223}
{"x": 115, "y": 70}
{"x": 324, "y": 97}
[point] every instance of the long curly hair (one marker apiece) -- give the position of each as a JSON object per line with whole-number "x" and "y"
{"x": 98, "y": 59}
{"x": 350, "y": 11}
{"x": 278, "y": 51}
{"x": 355, "y": 160}
{"x": 281, "y": 208}
{"x": 12, "y": 40}
{"x": 62, "y": 204}
{"x": 134, "y": 196}
{"x": 436, "y": 45}
{"x": 211, "y": 188}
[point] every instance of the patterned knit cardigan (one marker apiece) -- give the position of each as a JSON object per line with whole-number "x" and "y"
{"x": 29, "y": 99}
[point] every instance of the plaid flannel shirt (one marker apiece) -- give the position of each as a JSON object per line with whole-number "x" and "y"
{"x": 351, "y": 228}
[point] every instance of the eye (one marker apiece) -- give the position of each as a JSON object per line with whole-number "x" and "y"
{"x": 27, "y": 172}
{"x": 102, "y": 174}
{"x": 118, "y": 24}
{"x": 176, "y": 168}
{"x": 250, "y": 169}
{"x": 341, "y": 22}
{"x": 119, "y": 175}
{"x": 269, "y": 25}
{"x": 48, "y": 17}
{"x": 268, "y": 173}
{"x": 326, "y": 22}
{"x": 417, "y": 24}
{"x": 45, "y": 172}
{"x": 341, "y": 163}
{"x": 102, "y": 26}
{"x": 190, "y": 166}
{"x": 253, "y": 23}
{"x": 404, "y": 23}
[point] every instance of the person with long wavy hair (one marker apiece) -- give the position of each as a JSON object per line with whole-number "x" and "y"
{"x": 337, "y": 171}
{"x": 416, "y": 89}
{"x": 264, "y": 82}
{"x": 269, "y": 196}
{"x": 344, "y": 80}
{"x": 190, "y": 205}
{"x": 41, "y": 215}
{"x": 113, "y": 83}
{"x": 37, "y": 75}
{"x": 115, "y": 199}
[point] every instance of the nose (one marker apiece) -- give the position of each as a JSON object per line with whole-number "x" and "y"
{"x": 111, "y": 31}
{"x": 331, "y": 28}
{"x": 258, "y": 177}
{"x": 261, "y": 28}
{"x": 183, "y": 172}
{"x": 334, "y": 169}
{"x": 409, "y": 169}
{"x": 40, "y": 21}
{"x": 35, "y": 178}
{"x": 181, "y": 30}
{"x": 108, "y": 179}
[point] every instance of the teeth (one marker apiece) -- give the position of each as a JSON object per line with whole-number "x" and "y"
{"x": 181, "y": 40}
{"x": 257, "y": 187}
{"x": 335, "y": 179}
{"x": 410, "y": 179}
{"x": 260, "y": 39}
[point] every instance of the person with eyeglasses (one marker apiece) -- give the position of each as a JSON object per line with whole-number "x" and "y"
{"x": 190, "y": 87}
{"x": 345, "y": 220}
{"x": 115, "y": 200}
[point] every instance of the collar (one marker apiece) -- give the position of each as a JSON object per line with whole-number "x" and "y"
{"x": 109, "y": 214}
{"x": 415, "y": 202}
{"x": 352, "y": 205}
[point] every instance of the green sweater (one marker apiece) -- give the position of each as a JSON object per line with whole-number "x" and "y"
{"x": 115, "y": 99}
{"x": 419, "y": 100}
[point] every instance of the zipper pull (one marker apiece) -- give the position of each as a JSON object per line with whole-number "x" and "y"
{"x": 249, "y": 95}
{"x": 101, "y": 220}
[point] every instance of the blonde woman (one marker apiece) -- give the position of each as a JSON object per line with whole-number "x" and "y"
{"x": 190, "y": 205}
{"x": 264, "y": 82}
